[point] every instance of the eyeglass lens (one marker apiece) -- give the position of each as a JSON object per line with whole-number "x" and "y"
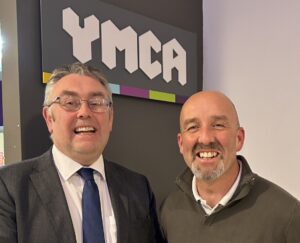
{"x": 73, "y": 103}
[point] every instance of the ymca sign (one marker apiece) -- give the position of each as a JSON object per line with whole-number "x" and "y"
{"x": 139, "y": 56}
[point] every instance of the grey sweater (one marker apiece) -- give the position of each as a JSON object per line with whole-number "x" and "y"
{"x": 259, "y": 212}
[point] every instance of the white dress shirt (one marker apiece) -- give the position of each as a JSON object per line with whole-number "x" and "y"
{"x": 225, "y": 199}
{"x": 73, "y": 184}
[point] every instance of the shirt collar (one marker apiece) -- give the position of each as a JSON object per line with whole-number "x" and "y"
{"x": 68, "y": 167}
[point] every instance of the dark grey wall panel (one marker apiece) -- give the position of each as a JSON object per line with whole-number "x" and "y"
{"x": 34, "y": 135}
{"x": 144, "y": 133}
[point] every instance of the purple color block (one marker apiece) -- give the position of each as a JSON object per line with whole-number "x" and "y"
{"x": 136, "y": 92}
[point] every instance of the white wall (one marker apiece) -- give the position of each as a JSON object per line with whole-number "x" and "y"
{"x": 252, "y": 54}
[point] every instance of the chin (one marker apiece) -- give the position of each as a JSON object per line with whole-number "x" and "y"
{"x": 90, "y": 149}
{"x": 208, "y": 175}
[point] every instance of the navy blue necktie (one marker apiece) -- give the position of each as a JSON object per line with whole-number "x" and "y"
{"x": 91, "y": 210}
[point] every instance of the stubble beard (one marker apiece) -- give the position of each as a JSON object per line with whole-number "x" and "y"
{"x": 208, "y": 175}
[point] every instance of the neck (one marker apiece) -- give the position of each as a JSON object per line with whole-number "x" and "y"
{"x": 84, "y": 160}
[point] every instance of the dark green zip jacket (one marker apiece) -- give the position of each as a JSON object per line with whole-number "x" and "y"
{"x": 258, "y": 212}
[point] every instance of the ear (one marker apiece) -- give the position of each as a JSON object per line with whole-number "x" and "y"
{"x": 240, "y": 138}
{"x": 179, "y": 141}
{"x": 48, "y": 118}
{"x": 111, "y": 118}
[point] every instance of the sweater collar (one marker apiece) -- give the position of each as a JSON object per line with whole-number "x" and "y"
{"x": 184, "y": 181}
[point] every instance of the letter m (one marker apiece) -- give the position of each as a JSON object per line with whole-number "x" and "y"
{"x": 112, "y": 39}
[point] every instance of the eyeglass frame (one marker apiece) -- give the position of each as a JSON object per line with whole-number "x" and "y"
{"x": 107, "y": 104}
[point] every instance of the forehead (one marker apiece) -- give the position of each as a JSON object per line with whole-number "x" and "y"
{"x": 80, "y": 85}
{"x": 208, "y": 107}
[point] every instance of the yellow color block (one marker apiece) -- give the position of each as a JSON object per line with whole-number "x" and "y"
{"x": 46, "y": 77}
{"x": 156, "y": 95}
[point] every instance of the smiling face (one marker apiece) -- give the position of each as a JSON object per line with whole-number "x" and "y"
{"x": 210, "y": 135}
{"x": 81, "y": 135}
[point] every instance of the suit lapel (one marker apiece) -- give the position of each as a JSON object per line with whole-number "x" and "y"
{"x": 119, "y": 201}
{"x": 46, "y": 181}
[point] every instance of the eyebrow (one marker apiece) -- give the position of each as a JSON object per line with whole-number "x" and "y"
{"x": 72, "y": 93}
{"x": 220, "y": 118}
{"x": 196, "y": 120}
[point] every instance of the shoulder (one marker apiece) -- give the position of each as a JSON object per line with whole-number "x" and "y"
{"x": 278, "y": 205}
{"x": 260, "y": 189}
{"x": 277, "y": 196}
{"x": 273, "y": 201}
{"x": 17, "y": 171}
{"x": 273, "y": 191}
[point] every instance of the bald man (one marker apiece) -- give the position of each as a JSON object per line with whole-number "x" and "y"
{"x": 219, "y": 199}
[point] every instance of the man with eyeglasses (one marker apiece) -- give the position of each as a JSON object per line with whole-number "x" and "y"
{"x": 71, "y": 193}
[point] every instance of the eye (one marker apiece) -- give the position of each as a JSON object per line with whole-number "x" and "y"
{"x": 192, "y": 128}
{"x": 96, "y": 102}
{"x": 219, "y": 125}
{"x": 70, "y": 102}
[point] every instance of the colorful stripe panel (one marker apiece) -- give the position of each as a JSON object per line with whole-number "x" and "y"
{"x": 137, "y": 92}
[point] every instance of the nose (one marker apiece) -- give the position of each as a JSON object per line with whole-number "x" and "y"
{"x": 206, "y": 136}
{"x": 84, "y": 110}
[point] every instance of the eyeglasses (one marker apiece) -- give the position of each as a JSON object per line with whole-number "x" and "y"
{"x": 73, "y": 103}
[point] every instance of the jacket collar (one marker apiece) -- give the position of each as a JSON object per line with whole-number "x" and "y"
{"x": 119, "y": 200}
{"x": 47, "y": 184}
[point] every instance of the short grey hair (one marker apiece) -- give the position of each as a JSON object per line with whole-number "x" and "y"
{"x": 75, "y": 68}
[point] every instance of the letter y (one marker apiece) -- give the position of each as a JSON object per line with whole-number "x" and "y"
{"x": 82, "y": 37}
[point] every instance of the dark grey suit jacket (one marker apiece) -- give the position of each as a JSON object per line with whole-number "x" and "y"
{"x": 33, "y": 207}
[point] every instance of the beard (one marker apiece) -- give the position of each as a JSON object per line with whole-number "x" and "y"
{"x": 208, "y": 175}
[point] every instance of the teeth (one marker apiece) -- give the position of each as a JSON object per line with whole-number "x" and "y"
{"x": 208, "y": 154}
{"x": 84, "y": 129}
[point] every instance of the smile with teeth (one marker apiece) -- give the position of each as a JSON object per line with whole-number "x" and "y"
{"x": 207, "y": 155}
{"x": 85, "y": 130}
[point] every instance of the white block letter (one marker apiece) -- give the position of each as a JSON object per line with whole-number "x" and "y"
{"x": 147, "y": 42}
{"x": 82, "y": 37}
{"x": 112, "y": 38}
{"x": 170, "y": 61}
